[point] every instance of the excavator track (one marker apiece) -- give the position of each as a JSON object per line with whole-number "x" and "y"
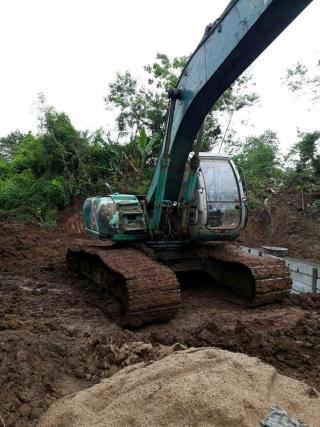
{"x": 256, "y": 281}
{"x": 144, "y": 280}
{"x": 147, "y": 290}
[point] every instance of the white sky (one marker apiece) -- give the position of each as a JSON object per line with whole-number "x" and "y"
{"x": 71, "y": 49}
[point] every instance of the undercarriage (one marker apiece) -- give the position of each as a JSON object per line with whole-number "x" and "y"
{"x": 144, "y": 278}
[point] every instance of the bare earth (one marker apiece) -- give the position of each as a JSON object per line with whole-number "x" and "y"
{"x": 56, "y": 336}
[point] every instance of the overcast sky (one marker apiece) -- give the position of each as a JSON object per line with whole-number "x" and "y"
{"x": 71, "y": 49}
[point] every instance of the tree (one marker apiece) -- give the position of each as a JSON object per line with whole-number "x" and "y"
{"x": 303, "y": 175}
{"x": 301, "y": 80}
{"x": 145, "y": 106}
{"x": 259, "y": 160}
{"x": 9, "y": 144}
{"x": 305, "y": 155}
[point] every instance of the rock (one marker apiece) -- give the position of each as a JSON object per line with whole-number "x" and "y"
{"x": 35, "y": 413}
{"x": 311, "y": 392}
{"x": 113, "y": 370}
{"x": 178, "y": 347}
{"x": 13, "y": 324}
{"x": 112, "y": 353}
{"x": 21, "y": 356}
{"x": 124, "y": 352}
{"x": 79, "y": 372}
{"x": 70, "y": 331}
{"x": 102, "y": 363}
{"x": 25, "y": 410}
{"x": 132, "y": 359}
{"x": 20, "y": 422}
{"x": 11, "y": 419}
{"x": 25, "y": 395}
{"x": 143, "y": 349}
{"x": 90, "y": 369}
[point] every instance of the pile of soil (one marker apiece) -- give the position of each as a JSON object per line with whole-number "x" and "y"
{"x": 207, "y": 387}
{"x": 56, "y": 336}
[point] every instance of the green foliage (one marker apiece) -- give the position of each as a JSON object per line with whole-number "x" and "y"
{"x": 26, "y": 197}
{"x": 301, "y": 80}
{"x": 267, "y": 174}
{"x": 9, "y": 144}
{"x": 304, "y": 172}
{"x": 145, "y": 147}
{"x": 145, "y": 106}
{"x": 41, "y": 173}
{"x": 304, "y": 158}
{"x": 307, "y": 154}
{"x": 259, "y": 161}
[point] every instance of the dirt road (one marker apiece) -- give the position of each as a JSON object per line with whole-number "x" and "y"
{"x": 56, "y": 337}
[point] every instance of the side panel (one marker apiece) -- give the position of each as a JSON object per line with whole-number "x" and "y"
{"x": 118, "y": 217}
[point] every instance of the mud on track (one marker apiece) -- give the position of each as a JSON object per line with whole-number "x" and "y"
{"x": 56, "y": 337}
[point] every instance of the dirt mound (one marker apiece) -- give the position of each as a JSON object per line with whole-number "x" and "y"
{"x": 195, "y": 387}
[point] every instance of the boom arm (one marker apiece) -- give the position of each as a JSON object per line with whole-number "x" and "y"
{"x": 237, "y": 38}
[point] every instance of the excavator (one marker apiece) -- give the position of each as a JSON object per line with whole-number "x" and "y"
{"x": 196, "y": 202}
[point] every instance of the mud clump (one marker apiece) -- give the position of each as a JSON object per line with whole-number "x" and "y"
{"x": 107, "y": 359}
{"x": 197, "y": 386}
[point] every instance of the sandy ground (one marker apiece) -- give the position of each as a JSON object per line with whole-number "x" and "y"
{"x": 195, "y": 387}
{"x": 55, "y": 332}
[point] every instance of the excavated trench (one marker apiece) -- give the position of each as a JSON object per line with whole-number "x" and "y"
{"x": 57, "y": 338}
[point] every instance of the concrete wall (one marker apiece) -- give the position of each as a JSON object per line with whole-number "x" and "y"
{"x": 305, "y": 275}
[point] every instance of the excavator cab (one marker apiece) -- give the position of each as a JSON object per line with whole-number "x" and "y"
{"x": 219, "y": 207}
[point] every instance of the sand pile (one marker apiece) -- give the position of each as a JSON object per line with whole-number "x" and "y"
{"x": 203, "y": 387}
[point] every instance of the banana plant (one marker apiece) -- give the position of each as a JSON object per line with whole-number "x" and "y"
{"x": 145, "y": 146}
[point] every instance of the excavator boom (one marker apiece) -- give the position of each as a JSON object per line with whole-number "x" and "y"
{"x": 230, "y": 45}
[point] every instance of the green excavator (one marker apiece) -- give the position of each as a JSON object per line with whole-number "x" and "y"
{"x": 196, "y": 201}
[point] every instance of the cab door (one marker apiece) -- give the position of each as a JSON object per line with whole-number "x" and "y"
{"x": 224, "y": 194}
